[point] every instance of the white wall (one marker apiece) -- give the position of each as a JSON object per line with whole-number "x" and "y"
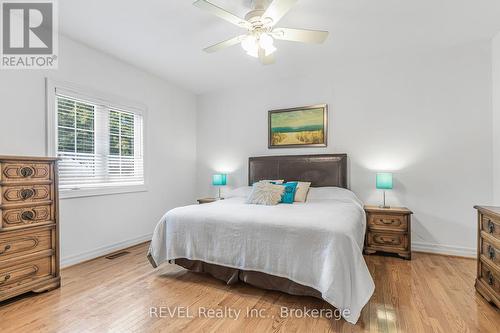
{"x": 93, "y": 225}
{"x": 423, "y": 115}
{"x": 496, "y": 117}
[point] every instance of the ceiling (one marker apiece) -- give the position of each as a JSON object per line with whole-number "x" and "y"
{"x": 166, "y": 37}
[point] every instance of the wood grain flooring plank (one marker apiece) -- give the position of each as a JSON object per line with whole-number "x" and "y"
{"x": 430, "y": 293}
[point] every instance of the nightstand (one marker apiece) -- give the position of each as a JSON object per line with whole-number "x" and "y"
{"x": 206, "y": 200}
{"x": 388, "y": 230}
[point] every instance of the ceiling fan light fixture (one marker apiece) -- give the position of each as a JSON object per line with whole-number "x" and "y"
{"x": 261, "y": 31}
{"x": 267, "y": 43}
{"x": 250, "y": 45}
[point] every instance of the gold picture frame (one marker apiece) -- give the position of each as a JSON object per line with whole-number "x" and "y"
{"x": 301, "y": 127}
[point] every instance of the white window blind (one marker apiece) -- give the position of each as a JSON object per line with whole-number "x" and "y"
{"x": 98, "y": 145}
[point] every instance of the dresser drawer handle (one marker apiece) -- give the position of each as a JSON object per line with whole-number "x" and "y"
{"x": 5, "y": 279}
{"x": 387, "y": 221}
{"x": 387, "y": 240}
{"x": 27, "y": 172}
{"x": 491, "y": 252}
{"x": 27, "y": 193}
{"x": 491, "y": 226}
{"x": 5, "y": 249}
{"x": 28, "y": 215}
{"x": 491, "y": 280}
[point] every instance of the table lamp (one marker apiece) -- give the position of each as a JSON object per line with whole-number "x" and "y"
{"x": 219, "y": 180}
{"x": 384, "y": 182}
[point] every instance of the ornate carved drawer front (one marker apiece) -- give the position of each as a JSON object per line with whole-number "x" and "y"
{"x": 22, "y": 217}
{"x": 24, "y": 273}
{"x": 379, "y": 239}
{"x": 25, "y": 194}
{"x": 19, "y": 243}
{"x": 489, "y": 277}
{"x": 491, "y": 226}
{"x": 22, "y": 172}
{"x": 388, "y": 221}
{"x": 490, "y": 251}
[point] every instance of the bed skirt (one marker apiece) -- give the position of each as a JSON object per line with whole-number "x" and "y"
{"x": 256, "y": 279}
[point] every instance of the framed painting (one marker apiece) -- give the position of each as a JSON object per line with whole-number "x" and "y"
{"x": 299, "y": 127}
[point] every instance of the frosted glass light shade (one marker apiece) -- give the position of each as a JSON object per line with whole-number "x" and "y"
{"x": 250, "y": 45}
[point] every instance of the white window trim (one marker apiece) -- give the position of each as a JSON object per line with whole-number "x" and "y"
{"x": 98, "y": 97}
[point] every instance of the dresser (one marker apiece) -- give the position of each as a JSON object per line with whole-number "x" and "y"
{"x": 488, "y": 253}
{"x": 388, "y": 230}
{"x": 29, "y": 226}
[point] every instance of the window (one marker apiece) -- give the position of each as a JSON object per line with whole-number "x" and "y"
{"x": 100, "y": 145}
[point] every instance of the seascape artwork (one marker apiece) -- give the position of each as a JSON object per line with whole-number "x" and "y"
{"x": 298, "y": 127}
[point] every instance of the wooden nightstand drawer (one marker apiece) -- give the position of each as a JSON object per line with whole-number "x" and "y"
{"x": 388, "y": 230}
{"x": 386, "y": 240}
{"x": 384, "y": 222}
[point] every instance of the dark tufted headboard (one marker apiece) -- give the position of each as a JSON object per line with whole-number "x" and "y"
{"x": 320, "y": 170}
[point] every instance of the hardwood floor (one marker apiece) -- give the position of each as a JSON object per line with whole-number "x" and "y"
{"x": 431, "y": 293}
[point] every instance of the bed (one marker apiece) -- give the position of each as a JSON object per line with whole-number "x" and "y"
{"x": 312, "y": 248}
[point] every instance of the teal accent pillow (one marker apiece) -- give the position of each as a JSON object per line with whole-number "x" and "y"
{"x": 288, "y": 195}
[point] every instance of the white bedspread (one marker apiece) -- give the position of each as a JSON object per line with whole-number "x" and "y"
{"x": 317, "y": 244}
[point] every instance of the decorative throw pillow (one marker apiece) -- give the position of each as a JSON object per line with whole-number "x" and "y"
{"x": 301, "y": 192}
{"x": 289, "y": 194}
{"x": 264, "y": 193}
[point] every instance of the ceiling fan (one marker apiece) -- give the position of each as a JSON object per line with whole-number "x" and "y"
{"x": 261, "y": 32}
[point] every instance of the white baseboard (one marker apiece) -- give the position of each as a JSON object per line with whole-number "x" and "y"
{"x": 78, "y": 258}
{"x": 470, "y": 252}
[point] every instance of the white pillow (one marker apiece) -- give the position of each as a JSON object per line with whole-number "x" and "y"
{"x": 243, "y": 191}
{"x": 332, "y": 193}
{"x": 264, "y": 193}
{"x": 276, "y": 181}
{"x": 316, "y": 193}
{"x": 301, "y": 192}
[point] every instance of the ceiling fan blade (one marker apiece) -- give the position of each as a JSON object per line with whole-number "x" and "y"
{"x": 265, "y": 60}
{"x": 224, "y": 44}
{"x": 300, "y": 35}
{"x": 277, "y": 9}
{"x": 223, "y": 14}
